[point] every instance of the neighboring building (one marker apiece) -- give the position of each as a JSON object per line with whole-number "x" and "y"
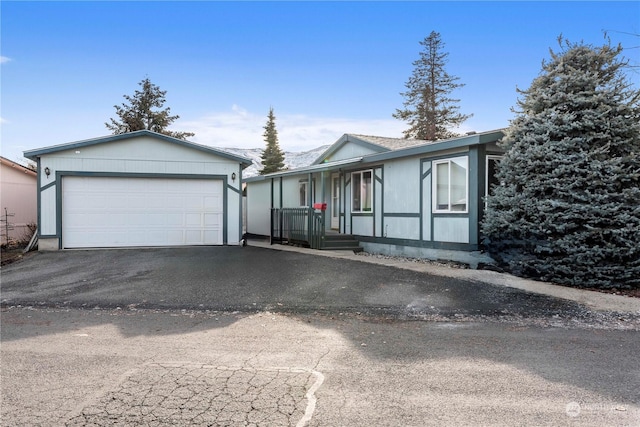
{"x": 396, "y": 196}
{"x": 137, "y": 189}
{"x": 18, "y": 200}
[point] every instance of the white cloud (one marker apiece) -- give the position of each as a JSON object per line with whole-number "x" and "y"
{"x": 4, "y": 59}
{"x": 240, "y": 128}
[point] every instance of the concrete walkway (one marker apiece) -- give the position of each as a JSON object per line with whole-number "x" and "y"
{"x": 592, "y": 299}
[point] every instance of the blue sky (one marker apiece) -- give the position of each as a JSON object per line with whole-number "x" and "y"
{"x": 327, "y": 68}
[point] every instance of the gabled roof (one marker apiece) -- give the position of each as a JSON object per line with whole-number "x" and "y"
{"x": 34, "y": 154}
{"x": 379, "y": 144}
{"x": 17, "y": 166}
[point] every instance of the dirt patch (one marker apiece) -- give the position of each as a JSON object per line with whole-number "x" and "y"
{"x": 11, "y": 253}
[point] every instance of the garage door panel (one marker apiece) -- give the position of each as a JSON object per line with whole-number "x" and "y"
{"x": 211, "y": 236}
{"x": 212, "y": 202}
{"x": 175, "y": 220}
{"x": 114, "y": 212}
{"x": 212, "y": 220}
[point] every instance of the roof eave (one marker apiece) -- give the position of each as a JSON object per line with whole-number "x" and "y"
{"x": 308, "y": 169}
{"x": 34, "y": 154}
{"x": 459, "y": 142}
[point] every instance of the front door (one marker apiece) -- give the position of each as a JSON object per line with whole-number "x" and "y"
{"x": 335, "y": 201}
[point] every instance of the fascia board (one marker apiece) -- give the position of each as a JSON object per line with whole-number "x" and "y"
{"x": 465, "y": 141}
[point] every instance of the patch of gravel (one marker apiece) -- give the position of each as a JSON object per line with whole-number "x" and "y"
{"x": 578, "y": 319}
{"x": 634, "y": 293}
{"x": 440, "y": 263}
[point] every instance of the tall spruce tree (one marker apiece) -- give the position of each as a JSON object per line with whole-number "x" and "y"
{"x": 568, "y": 206}
{"x": 139, "y": 113}
{"x": 272, "y": 156}
{"x": 428, "y": 107}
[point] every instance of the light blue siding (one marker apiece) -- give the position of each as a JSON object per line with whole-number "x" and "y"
{"x": 258, "y": 207}
{"x": 48, "y": 212}
{"x": 349, "y": 151}
{"x": 362, "y": 225}
{"x": 402, "y": 228}
{"x": 401, "y": 185}
{"x": 451, "y": 229}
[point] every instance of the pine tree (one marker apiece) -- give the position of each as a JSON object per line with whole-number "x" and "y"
{"x": 272, "y": 156}
{"x": 568, "y": 206}
{"x": 428, "y": 107}
{"x": 138, "y": 114}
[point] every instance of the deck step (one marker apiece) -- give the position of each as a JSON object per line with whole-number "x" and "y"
{"x": 338, "y": 242}
{"x": 355, "y": 249}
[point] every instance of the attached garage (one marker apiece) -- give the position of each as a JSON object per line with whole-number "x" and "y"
{"x": 119, "y": 211}
{"x": 137, "y": 190}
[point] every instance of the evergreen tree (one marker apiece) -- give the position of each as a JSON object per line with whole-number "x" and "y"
{"x": 139, "y": 113}
{"x": 272, "y": 156}
{"x": 428, "y": 107}
{"x": 567, "y": 208}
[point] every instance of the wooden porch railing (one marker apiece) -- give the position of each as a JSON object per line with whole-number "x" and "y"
{"x": 301, "y": 226}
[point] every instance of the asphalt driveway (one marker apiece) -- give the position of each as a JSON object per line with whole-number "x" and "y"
{"x": 259, "y": 279}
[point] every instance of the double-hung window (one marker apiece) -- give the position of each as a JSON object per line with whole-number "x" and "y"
{"x": 362, "y": 191}
{"x": 450, "y": 185}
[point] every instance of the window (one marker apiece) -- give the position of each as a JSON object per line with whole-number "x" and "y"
{"x": 450, "y": 185}
{"x": 491, "y": 180}
{"x": 362, "y": 191}
{"x": 304, "y": 201}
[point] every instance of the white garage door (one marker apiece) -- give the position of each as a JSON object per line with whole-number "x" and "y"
{"x": 102, "y": 212}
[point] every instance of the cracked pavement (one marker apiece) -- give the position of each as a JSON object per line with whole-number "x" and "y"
{"x": 160, "y": 394}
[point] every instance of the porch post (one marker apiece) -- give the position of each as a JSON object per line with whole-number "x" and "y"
{"x": 309, "y": 207}
{"x": 322, "y": 188}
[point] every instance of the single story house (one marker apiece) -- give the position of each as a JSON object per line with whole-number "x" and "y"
{"x": 395, "y": 196}
{"x": 18, "y": 207}
{"x": 137, "y": 189}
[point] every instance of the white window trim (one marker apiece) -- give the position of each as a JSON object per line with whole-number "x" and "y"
{"x": 434, "y": 186}
{"x": 353, "y": 189}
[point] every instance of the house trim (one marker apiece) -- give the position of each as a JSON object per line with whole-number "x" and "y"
{"x": 401, "y": 215}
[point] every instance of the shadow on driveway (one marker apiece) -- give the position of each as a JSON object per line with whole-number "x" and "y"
{"x": 254, "y": 279}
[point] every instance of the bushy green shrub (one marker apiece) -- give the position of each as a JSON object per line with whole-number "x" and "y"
{"x": 567, "y": 208}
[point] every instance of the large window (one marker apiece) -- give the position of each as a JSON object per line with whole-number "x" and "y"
{"x": 450, "y": 185}
{"x": 362, "y": 191}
